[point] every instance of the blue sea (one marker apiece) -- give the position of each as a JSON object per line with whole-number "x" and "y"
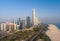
{"x": 57, "y": 25}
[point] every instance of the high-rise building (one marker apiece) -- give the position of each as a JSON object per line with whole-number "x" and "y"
{"x": 23, "y": 24}
{"x": 11, "y": 26}
{"x": 18, "y": 27}
{"x": 37, "y": 21}
{"x": 0, "y": 27}
{"x": 28, "y": 23}
{"x": 18, "y": 21}
{"x": 15, "y": 26}
{"x": 33, "y": 17}
{"x": 3, "y": 27}
{"x": 7, "y": 27}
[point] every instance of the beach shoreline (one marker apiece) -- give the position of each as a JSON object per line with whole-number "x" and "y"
{"x": 53, "y": 33}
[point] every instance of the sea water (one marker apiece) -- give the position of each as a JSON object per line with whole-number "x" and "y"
{"x": 57, "y": 25}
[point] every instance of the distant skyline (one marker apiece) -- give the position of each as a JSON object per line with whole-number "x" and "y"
{"x": 47, "y": 10}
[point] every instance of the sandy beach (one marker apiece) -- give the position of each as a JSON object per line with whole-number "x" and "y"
{"x": 53, "y": 33}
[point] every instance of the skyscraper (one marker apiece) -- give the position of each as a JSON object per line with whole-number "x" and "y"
{"x": 14, "y": 25}
{"x": 37, "y": 21}
{"x": 3, "y": 27}
{"x": 33, "y": 17}
{"x": 23, "y": 24}
{"x": 18, "y": 21}
{"x": 28, "y": 23}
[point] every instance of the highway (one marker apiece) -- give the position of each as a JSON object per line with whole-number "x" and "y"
{"x": 32, "y": 38}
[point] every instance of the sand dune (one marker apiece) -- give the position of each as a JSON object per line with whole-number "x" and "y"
{"x": 53, "y": 33}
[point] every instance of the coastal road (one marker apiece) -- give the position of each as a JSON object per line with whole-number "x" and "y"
{"x": 32, "y": 38}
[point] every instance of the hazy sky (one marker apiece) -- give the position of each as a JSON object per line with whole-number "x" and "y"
{"x": 46, "y": 10}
